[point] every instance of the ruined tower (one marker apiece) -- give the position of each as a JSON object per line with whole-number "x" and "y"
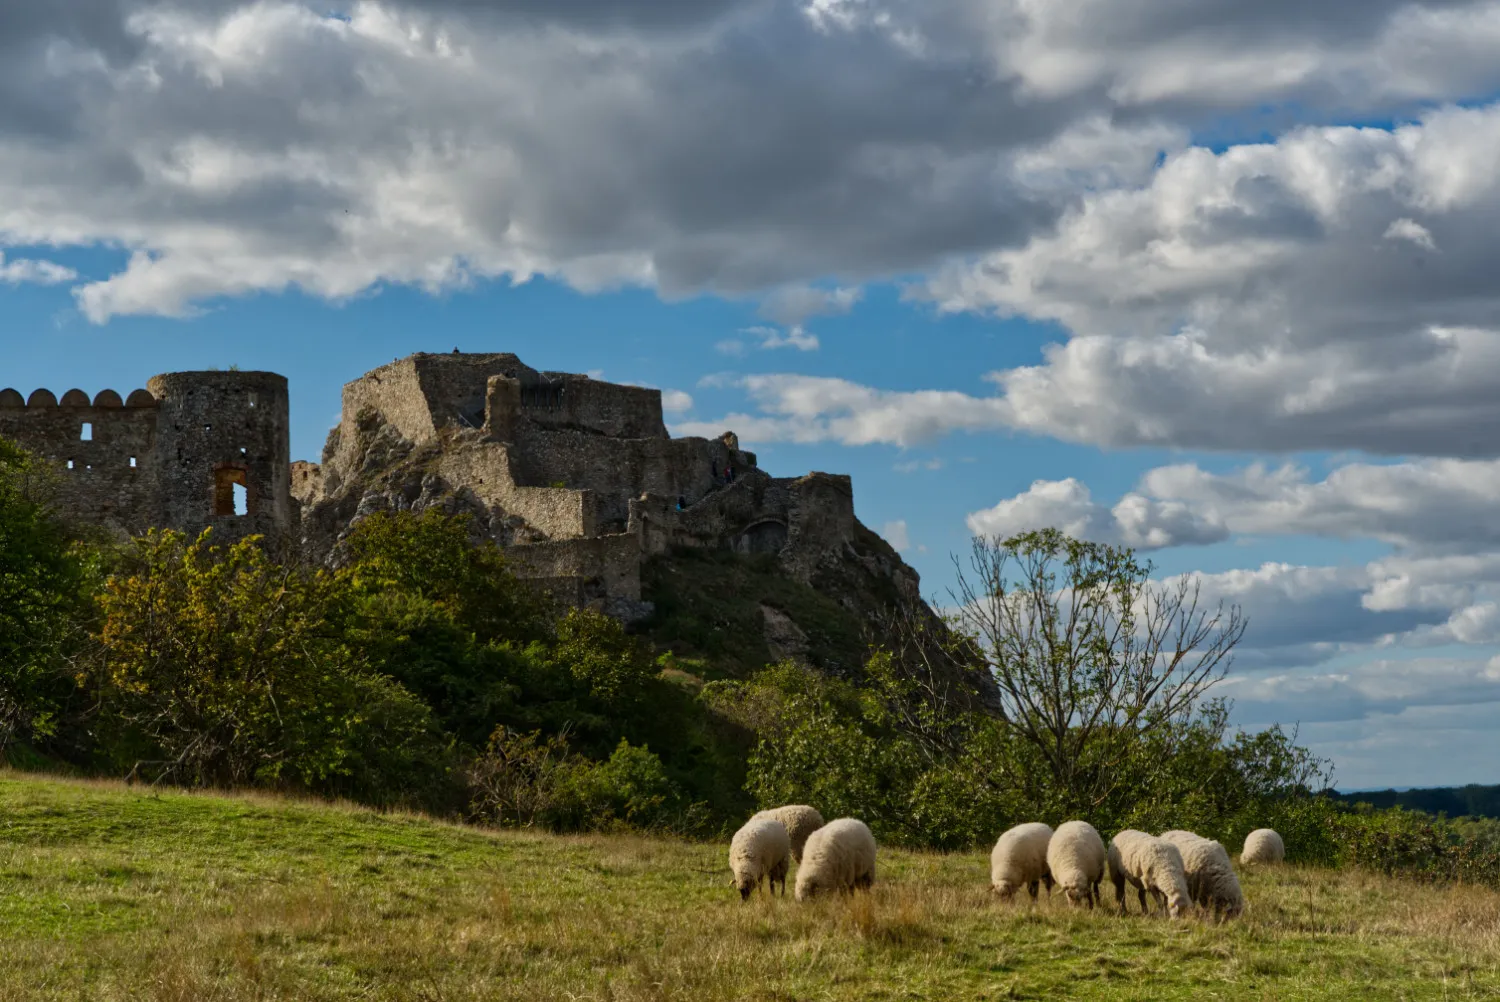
{"x": 215, "y": 432}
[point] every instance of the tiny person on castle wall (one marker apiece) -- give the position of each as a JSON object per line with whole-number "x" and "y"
{"x": 681, "y": 503}
{"x": 729, "y": 474}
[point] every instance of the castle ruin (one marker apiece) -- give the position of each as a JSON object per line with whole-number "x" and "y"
{"x": 172, "y": 455}
{"x": 576, "y": 477}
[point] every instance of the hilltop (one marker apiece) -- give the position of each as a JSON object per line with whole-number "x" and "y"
{"x": 112, "y": 893}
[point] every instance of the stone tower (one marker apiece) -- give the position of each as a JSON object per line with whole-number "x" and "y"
{"x": 215, "y": 432}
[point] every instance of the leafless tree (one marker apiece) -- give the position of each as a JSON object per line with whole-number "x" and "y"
{"x": 1088, "y": 653}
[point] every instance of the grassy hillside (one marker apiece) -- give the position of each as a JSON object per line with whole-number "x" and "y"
{"x": 108, "y": 893}
{"x": 708, "y": 611}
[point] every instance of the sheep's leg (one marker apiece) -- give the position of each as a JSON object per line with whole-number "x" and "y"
{"x": 1120, "y": 893}
{"x": 1141, "y": 893}
{"x": 1049, "y": 882}
{"x": 1033, "y": 887}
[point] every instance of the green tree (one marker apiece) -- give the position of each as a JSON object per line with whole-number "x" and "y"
{"x": 1092, "y": 658}
{"x": 447, "y": 619}
{"x": 217, "y": 666}
{"x": 45, "y": 581}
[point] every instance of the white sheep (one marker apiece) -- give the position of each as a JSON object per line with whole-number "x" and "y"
{"x": 800, "y": 820}
{"x": 1148, "y": 863}
{"x": 1019, "y": 860}
{"x": 1075, "y": 861}
{"x": 1211, "y": 879}
{"x": 840, "y": 856}
{"x": 1263, "y": 846}
{"x": 759, "y": 851}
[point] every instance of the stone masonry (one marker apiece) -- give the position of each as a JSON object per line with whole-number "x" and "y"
{"x": 170, "y": 455}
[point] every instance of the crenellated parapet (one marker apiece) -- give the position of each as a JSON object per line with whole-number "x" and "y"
{"x": 103, "y": 449}
{"x": 190, "y": 451}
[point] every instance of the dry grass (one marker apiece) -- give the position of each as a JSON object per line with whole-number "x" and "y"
{"x": 111, "y": 894}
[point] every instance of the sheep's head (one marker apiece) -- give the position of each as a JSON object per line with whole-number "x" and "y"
{"x": 808, "y": 888}
{"x": 1078, "y": 894}
{"x": 744, "y": 884}
{"x": 1006, "y": 889}
{"x": 1177, "y": 903}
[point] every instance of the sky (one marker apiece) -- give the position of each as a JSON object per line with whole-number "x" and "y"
{"x": 1210, "y": 279}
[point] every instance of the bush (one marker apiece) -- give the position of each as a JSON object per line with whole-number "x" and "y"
{"x": 216, "y": 666}
{"x": 523, "y": 780}
{"x": 923, "y": 772}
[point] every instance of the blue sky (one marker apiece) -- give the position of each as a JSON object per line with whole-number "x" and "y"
{"x": 1210, "y": 280}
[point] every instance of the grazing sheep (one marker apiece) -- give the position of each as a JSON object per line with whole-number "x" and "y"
{"x": 1019, "y": 860}
{"x": 800, "y": 820}
{"x": 1075, "y": 860}
{"x": 759, "y": 852}
{"x": 1263, "y": 846}
{"x": 840, "y": 856}
{"x": 1148, "y": 864}
{"x": 1211, "y": 880}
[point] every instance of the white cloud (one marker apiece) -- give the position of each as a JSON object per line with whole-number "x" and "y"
{"x": 770, "y": 337}
{"x": 236, "y": 147}
{"x": 896, "y": 534}
{"x": 1306, "y": 615}
{"x": 1135, "y": 521}
{"x": 676, "y": 401}
{"x": 809, "y": 409}
{"x": 1414, "y": 746}
{"x": 1280, "y": 296}
{"x": 21, "y": 271}
{"x": 1413, "y": 231}
{"x": 1429, "y": 506}
{"x": 1382, "y": 686}
{"x": 919, "y": 465}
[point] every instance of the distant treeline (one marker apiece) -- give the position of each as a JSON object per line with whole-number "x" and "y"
{"x": 1472, "y": 801}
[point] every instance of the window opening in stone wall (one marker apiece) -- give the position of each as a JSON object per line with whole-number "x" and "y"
{"x": 242, "y": 452}
{"x": 208, "y": 427}
{"x": 70, "y": 464}
{"x": 132, "y": 462}
{"x": 87, "y": 434}
{"x": 231, "y": 493}
{"x": 252, "y": 401}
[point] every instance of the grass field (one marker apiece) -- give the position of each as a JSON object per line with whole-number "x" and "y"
{"x": 110, "y": 893}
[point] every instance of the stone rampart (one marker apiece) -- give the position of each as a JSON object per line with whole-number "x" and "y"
{"x": 103, "y": 449}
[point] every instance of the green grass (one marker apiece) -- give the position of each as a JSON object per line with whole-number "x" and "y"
{"x": 112, "y": 893}
{"x": 708, "y": 612}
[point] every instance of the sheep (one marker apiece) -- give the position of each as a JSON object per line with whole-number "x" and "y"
{"x": 1148, "y": 864}
{"x": 1019, "y": 859}
{"x": 800, "y": 820}
{"x": 1263, "y": 846}
{"x": 1211, "y": 880}
{"x": 759, "y": 851}
{"x": 840, "y": 856}
{"x": 1075, "y": 860}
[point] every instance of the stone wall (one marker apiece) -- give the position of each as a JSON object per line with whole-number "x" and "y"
{"x": 108, "y": 479}
{"x": 619, "y": 469}
{"x": 605, "y": 567}
{"x": 589, "y": 405}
